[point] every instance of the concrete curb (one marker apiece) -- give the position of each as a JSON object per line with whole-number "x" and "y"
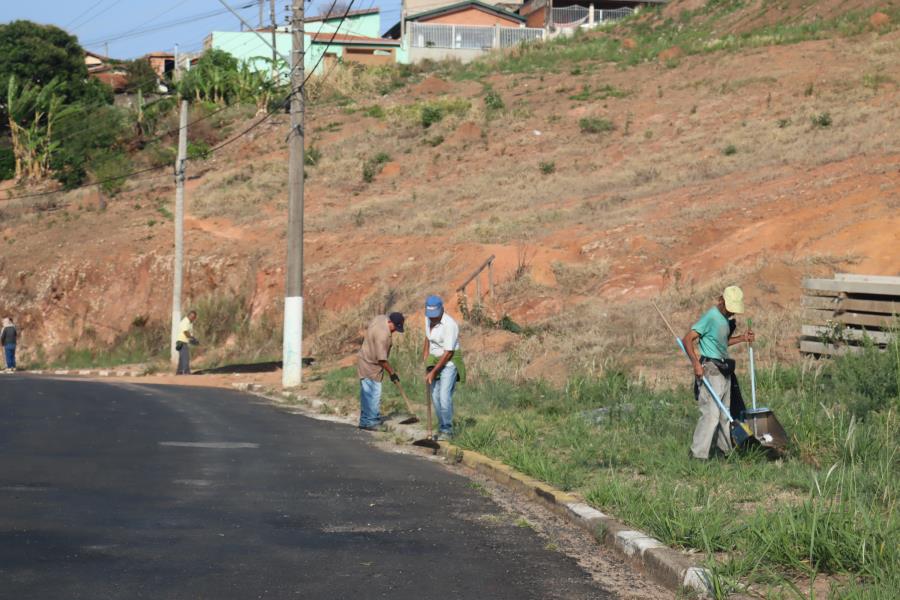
{"x": 86, "y": 373}
{"x": 666, "y": 566}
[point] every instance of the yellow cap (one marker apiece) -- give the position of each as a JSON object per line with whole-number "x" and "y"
{"x": 734, "y": 299}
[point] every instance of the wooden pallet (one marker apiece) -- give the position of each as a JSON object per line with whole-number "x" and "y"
{"x": 843, "y": 313}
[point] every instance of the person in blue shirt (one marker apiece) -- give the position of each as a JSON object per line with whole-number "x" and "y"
{"x": 713, "y": 335}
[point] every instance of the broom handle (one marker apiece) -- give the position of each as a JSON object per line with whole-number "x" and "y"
{"x": 428, "y": 406}
{"x": 405, "y": 399}
{"x": 752, "y": 368}
{"x": 666, "y": 321}
{"x": 706, "y": 382}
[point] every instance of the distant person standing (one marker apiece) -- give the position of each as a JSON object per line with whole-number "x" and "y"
{"x": 445, "y": 365}
{"x": 8, "y": 338}
{"x": 185, "y": 340}
{"x": 371, "y": 363}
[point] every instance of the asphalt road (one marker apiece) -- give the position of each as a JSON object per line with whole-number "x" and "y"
{"x": 138, "y": 491}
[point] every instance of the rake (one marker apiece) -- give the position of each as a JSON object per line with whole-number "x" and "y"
{"x": 740, "y": 432}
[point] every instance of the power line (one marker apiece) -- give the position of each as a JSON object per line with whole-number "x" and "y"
{"x": 284, "y": 103}
{"x": 94, "y": 16}
{"x": 287, "y": 100}
{"x": 262, "y": 120}
{"x": 146, "y": 22}
{"x": 81, "y": 14}
{"x": 131, "y": 87}
{"x": 168, "y": 24}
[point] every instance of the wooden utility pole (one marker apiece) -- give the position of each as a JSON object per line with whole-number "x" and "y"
{"x": 275, "y": 73}
{"x": 177, "y": 269}
{"x": 293, "y": 292}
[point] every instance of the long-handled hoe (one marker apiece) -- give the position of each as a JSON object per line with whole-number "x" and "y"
{"x": 413, "y": 418}
{"x": 740, "y": 432}
{"x": 429, "y": 441}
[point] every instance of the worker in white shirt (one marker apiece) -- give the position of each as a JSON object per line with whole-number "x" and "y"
{"x": 184, "y": 342}
{"x": 444, "y": 360}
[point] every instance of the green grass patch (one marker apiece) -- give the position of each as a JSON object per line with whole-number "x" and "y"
{"x": 829, "y": 508}
{"x": 695, "y": 32}
{"x": 144, "y": 342}
{"x": 430, "y": 112}
{"x": 595, "y": 125}
{"x": 373, "y": 166}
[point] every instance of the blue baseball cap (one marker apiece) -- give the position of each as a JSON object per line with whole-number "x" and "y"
{"x": 434, "y": 306}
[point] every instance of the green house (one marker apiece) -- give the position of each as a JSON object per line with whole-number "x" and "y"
{"x": 327, "y": 38}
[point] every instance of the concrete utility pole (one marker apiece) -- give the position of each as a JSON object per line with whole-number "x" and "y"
{"x": 293, "y": 290}
{"x": 275, "y": 76}
{"x": 262, "y": 12}
{"x": 177, "y": 269}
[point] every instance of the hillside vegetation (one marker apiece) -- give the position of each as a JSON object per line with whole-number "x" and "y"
{"x": 688, "y": 148}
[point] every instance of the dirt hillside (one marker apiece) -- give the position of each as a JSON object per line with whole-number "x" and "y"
{"x": 596, "y": 186}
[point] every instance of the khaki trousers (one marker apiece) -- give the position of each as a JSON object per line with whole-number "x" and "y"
{"x": 712, "y": 426}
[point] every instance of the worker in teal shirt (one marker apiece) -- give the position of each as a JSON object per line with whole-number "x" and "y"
{"x": 713, "y": 334}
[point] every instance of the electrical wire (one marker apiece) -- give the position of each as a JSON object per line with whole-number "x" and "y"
{"x": 284, "y": 103}
{"x": 82, "y": 14}
{"x": 146, "y": 22}
{"x": 168, "y": 24}
{"x": 131, "y": 87}
{"x": 266, "y": 117}
{"x": 94, "y": 16}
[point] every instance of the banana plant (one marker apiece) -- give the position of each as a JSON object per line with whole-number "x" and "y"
{"x": 32, "y": 112}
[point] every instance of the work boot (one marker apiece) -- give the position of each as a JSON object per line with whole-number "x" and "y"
{"x": 378, "y": 427}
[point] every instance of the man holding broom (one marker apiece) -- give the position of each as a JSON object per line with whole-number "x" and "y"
{"x": 714, "y": 334}
{"x": 445, "y": 366}
{"x": 371, "y": 364}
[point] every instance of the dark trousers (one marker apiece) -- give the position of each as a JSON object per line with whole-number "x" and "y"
{"x": 10, "y": 356}
{"x": 184, "y": 360}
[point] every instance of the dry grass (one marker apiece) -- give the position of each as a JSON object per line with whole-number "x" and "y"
{"x": 240, "y": 193}
{"x": 580, "y": 278}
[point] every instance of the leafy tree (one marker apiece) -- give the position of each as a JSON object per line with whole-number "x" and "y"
{"x": 39, "y": 54}
{"x": 32, "y": 112}
{"x": 81, "y": 147}
{"x": 110, "y": 169}
{"x": 140, "y": 77}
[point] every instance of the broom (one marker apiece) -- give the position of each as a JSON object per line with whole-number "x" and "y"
{"x": 409, "y": 408}
{"x": 740, "y": 431}
{"x": 429, "y": 441}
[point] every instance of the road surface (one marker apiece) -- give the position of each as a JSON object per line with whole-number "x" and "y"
{"x": 138, "y": 491}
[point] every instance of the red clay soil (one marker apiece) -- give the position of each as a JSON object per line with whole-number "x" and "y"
{"x": 654, "y": 207}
